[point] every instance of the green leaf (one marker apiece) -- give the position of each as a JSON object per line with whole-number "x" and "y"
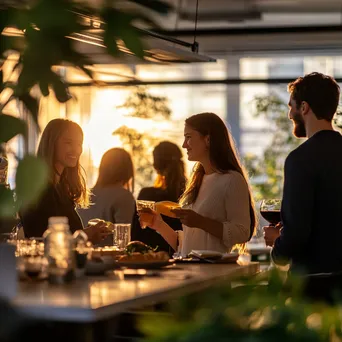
{"x": 31, "y": 179}
{"x": 44, "y": 87}
{"x": 4, "y": 14}
{"x": 7, "y": 207}
{"x": 133, "y": 42}
{"x": 26, "y": 80}
{"x": 60, "y": 88}
{"x": 11, "y": 126}
{"x": 57, "y": 16}
{"x": 31, "y": 104}
{"x": 158, "y": 6}
{"x": 2, "y": 85}
{"x": 111, "y": 16}
{"x": 119, "y": 26}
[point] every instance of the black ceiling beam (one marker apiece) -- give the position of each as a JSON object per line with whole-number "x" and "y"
{"x": 232, "y": 81}
{"x": 251, "y": 31}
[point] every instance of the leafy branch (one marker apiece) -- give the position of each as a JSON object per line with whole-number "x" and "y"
{"x": 40, "y": 36}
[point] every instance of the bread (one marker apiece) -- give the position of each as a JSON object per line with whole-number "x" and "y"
{"x": 165, "y": 207}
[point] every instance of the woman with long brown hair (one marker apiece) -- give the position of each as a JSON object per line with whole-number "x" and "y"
{"x": 169, "y": 186}
{"x": 112, "y": 198}
{"x": 61, "y": 147}
{"x": 217, "y": 207}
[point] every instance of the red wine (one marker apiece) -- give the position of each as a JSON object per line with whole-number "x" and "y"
{"x": 272, "y": 217}
{"x": 81, "y": 259}
{"x": 33, "y": 274}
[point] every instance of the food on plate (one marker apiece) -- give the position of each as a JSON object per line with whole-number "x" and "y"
{"x": 138, "y": 246}
{"x": 145, "y": 257}
{"x": 137, "y": 251}
{"x": 165, "y": 207}
{"x": 105, "y": 251}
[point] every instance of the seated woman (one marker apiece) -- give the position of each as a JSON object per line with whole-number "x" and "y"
{"x": 112, "y": 198}
{"x": 169, "y": 185}
{"x": 217, "y": 208}
{"x": 61, "y": 147}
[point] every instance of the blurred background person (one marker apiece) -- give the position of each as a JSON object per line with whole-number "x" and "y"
{"x": 112, "y": 196}
{"x": 169, "y": 186}
{"x": 61, "y": 147}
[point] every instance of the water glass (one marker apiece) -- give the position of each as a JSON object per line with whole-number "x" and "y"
{"x": 122, "y": 234}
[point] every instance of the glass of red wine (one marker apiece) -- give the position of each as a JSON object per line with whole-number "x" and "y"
{"x": 270, "y": 210}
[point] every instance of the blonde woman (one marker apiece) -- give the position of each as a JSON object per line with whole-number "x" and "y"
{"x": 112, "y": 198}
{"x": 218, "y": 210}
{"x": 61, "y": 147}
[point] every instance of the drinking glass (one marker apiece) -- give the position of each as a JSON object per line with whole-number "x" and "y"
{"x": 270, "y": 210}
{"x": 34, "y": 266}
{"x": 142, "y": 204}
{"x": 30, "y": 257}
{"x": 122, "y": 234}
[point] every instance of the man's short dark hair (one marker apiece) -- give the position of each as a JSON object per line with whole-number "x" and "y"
{"x": 320, "y": 91}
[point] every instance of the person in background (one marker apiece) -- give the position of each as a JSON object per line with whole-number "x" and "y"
{"x": 310, "y": 234}
{"x": 112, "y": 199}
{"x": 7, "y": 224}
{"x": 61, "y": 147}
{"x": 169, "y": 186}
{"x": 218, "y": 210}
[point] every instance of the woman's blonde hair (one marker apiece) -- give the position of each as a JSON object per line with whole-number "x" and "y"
{"x": 223, "y": 157}
{"x": 72, "y": 181}
{"x": 116, "y": 167}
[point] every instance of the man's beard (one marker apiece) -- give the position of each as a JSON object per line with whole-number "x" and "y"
{"x": 299, "y": 130}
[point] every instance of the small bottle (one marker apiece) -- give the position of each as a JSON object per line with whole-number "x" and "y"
{"x": 59, "y": 251}
{"x": 82, "y": 247}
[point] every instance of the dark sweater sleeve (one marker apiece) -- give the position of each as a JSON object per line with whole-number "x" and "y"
{"x": 297, "y": 208}
{"x": 35, "y": 219}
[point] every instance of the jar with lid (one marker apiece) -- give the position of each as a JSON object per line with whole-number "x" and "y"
{"x": 59, "y": 250}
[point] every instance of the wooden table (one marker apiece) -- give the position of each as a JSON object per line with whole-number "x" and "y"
{"x": 92, "y": 299}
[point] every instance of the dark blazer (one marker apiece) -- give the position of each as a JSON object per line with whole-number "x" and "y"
{"x": 312, "y": 206}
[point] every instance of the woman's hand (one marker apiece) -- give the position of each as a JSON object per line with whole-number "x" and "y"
{"x": 97, "y": 230}
{"x": 150, "y": 218}
{"x": 189, "y": 217}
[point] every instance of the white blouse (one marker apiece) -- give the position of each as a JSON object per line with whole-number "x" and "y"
{"x": 224, "y": 198}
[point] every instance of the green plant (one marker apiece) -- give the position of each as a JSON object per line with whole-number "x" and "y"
{"x": 267, "y": 171}
{"x": 38, "y": 36}
{"x": 251, "y": 311}
{"x": 143, "y": 105}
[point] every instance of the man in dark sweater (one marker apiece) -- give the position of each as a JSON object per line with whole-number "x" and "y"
{"x": 310, "y": 235}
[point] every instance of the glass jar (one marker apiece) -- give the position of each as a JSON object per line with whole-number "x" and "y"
{"x": 59, "y": 250}
{"x": 82, "y": 248}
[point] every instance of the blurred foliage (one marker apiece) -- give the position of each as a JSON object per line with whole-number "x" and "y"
{"x": 142, "y": 105}
{"x": 266, "y": 171}
{"x": 36, "y": 38}
{"x": 251, "y": 311}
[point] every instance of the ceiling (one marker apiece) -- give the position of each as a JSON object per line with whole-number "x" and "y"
{"x": 249, "y": 27}
{"x": 227, "y": 13}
